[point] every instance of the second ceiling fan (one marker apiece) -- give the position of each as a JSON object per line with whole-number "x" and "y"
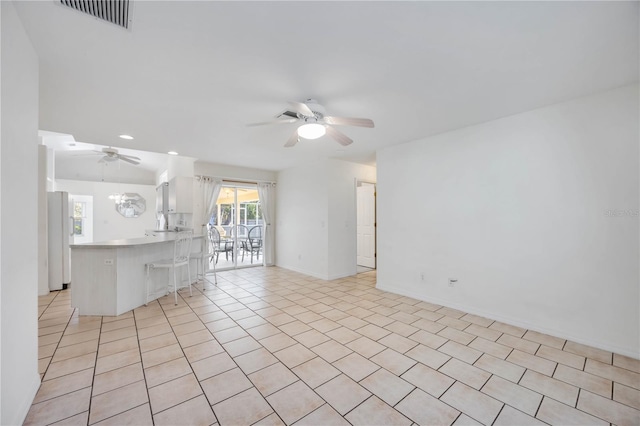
{"x": 109, "y": 155}
{"x": 315, "y": 124}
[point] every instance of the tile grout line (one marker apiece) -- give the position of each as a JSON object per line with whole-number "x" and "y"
{"x": 499, "y": 412}
{"x": 392, "y": 348}
{"x": 66, "y": 393}
{"x": 95, "y": 367}
{"x": 188, "y": 362}
{"x": 48, "y": 305}
{"x": 57, "y": 346}
{"x": 223, "y": 348}
{"x": 535, "y": 415}
{"x": 290, "y": 369}
{"x": 233, "y": 359}
{"x": 286, "y": 287}
{"x": 144, "y": 374}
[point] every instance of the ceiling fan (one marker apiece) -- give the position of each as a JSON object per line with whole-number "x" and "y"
{"x": 314, "y": 123}
{"x": 110, "y": 155}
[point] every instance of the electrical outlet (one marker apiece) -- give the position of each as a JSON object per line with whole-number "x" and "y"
{"x": 108, "y": 262}
{"x": 452, "y": 282}
{"x": 422, "y": 276}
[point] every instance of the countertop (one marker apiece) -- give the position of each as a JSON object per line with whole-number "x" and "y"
{"x": 162, "y": 237}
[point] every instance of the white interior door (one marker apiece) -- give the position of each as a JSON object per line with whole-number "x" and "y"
{"x": 366, "y": 225}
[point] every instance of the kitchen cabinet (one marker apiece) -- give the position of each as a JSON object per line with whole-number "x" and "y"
{"x": 181, "y": 195}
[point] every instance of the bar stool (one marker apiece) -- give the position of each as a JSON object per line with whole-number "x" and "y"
{"x": 205, "y": 254}
{"x": 181, "y": 252}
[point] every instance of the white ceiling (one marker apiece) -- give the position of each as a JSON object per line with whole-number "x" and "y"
{"x": 189, "y": 76}
{"x": 81, "y": 161}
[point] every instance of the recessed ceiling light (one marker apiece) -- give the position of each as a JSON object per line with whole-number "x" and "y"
{"x": 172, "y": 153}
{"x": 127, "y": 137}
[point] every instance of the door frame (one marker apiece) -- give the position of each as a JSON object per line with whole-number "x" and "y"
{"x": 359, "y": 182}
{"x": 236, "y": 219}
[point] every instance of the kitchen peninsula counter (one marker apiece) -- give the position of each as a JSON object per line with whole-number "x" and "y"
{"x": 108, "y": 277}
{"x": 160, "y": 237}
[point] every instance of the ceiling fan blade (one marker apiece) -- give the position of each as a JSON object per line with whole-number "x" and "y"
{"x": 135, "y": 163}
{"x": 302, "y": 108}
{"x": 342, "y": 139}
{"x": 101, "y": 161}
{"x": 84, "y": 153}
{"x": 291, "y": 120}
{"x": 346, "y": 121}
{"x": 130, "y": 157}
{"x": 293, "y": 139}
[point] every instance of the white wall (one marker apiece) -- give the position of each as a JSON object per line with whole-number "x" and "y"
{"x": 233, "y": 172}
{"x": 43, "y": 238}
{"x": 343, "y": 248}
{"x": 301, "y": 219}
{"x": 86, "y": 167}
{"x": 108, "y": 224}
{"x": 51, "y": 169}
{"x": 179, "y": 166}
{"x": 516, "y": 210}
{"x": 18, "y": 220}
{"x": 316, "y": 217}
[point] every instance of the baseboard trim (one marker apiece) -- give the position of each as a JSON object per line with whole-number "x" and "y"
{"x": 341, "y": 275}
{"x": 512, "y": 321}
{"x": 314, "y": 275}
{"x": 303, "y": 271}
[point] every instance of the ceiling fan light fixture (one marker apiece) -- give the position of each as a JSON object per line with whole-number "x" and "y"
{"x": 311, "y": 131}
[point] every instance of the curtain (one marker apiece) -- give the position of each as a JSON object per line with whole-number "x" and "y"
{"x": 210, "y": 192}
{"x": 266, "y": 194}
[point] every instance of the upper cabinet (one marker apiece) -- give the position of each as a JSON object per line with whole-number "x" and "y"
{"x": 181, "y": 195}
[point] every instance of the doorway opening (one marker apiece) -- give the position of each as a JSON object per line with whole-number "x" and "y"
{"x": 238, "y": 218}
{"x": 366, "y": 226}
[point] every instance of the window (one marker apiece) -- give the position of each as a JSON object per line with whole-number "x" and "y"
{"x": 79, "y": 214}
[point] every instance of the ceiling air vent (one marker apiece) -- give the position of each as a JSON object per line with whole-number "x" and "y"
{"x": 287, "y": 114}
{"x": 114, "y": 11}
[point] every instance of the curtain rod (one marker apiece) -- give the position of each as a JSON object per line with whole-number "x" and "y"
{"x": 233, "y": 180}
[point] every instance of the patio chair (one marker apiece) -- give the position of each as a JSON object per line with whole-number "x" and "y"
{"x": 220, "y": 245}
{"x": 254, "y": 242}
{"x": 242, "y": 235}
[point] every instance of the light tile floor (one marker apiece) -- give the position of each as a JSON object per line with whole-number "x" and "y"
{"x": 226, "y": 260}
{"x": 270, "y": 346}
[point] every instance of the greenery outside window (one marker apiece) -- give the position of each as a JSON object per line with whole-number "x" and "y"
{"x": 79, "y": 214}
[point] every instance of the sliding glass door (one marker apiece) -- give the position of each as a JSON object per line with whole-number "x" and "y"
{"x": 238, "y": 219}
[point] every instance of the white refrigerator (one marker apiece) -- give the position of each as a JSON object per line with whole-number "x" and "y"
{"x": 60, "y": 232}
